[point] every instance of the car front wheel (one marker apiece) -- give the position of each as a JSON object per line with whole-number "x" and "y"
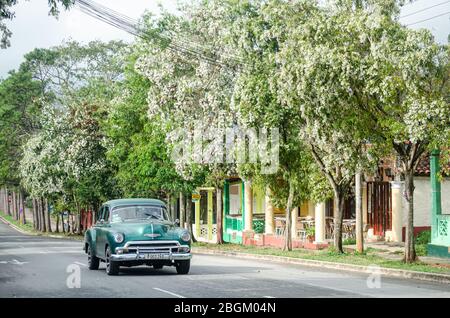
{"x": 93, "y": 261}
{"x": 183, "y": 267}
{"x": 112, "y": 268}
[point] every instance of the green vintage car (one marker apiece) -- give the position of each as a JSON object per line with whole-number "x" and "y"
{"x": 134, "y": 232}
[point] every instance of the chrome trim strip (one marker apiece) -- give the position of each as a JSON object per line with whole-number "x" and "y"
{"x": 141, "y": 257}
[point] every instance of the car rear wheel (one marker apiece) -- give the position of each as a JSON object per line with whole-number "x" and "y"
{"x": 112, "y": 268}
{"x": 183, "y": 267}
{"x": 93, "y": 261}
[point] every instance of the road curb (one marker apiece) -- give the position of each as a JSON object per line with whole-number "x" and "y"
{"x": 18, "y": 229}
{"x": 388, "y": 272}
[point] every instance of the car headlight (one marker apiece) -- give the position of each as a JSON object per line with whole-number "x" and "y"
{"x": 118, "y": 237}
{"x": 186, "y": 236}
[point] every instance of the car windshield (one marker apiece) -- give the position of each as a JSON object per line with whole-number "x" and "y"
{"x": 139, "y": 212}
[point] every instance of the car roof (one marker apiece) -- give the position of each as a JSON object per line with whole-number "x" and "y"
{"x": 114, "y": 203}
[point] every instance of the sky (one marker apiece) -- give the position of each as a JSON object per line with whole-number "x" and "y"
{"x": 33, "y": 27}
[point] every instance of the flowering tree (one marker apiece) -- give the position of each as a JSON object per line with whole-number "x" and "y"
{"x": 65, "y": 159}
{"x": 191, "y": 88}
{"x": 361, "y": 77}
{"x": 258, "y": 103}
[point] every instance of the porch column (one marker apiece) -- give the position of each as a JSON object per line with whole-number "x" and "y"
{"x": 248, "y": 224}
{"x": 436, "y": 203}
{"x": 197, "y": 218}
{"x": 210, "y": 214}
{"x": 269, "y": 225}
{"x": 294, "y": 216}
{"x": 397, "y": 211}
{"x": 320, "y": 222}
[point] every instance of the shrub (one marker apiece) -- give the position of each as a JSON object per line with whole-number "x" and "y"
{"x": 423, "y": 237}
{"x": 349, "y": 241}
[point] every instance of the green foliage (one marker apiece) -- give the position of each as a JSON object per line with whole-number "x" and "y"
{"x": 424, "y": 237}
{"x": 19, "y": 105}
{"x": 138, "y": 148}
{"x": 311, "y": 232}
{"x": 349, "y": 241}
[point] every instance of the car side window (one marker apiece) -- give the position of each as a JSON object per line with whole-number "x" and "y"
{"x": 99, "y": 214}
{"x": 106, "y": 214}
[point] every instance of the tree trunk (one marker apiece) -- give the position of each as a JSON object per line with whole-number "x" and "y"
{"x": 338, "y": 218}
{"x": 62, "y": 222}
{"x": 79, "y": 223}
{"x": 38, "y": 218}
{"x": 189, "y": 216}
{"x": 287, "y": 232}
{"x": 2, "y": 199}
{"x": 182, "y": 210}
{"x": 72, "y": 223}
{"x": 44, "y": 215}
{"x": 57, "y": 223}
{"x": 359, "y": 214}
{"x": 17, "y": 206}
{"x": 410, "y": 251}
{"x": 35, "y": 222}
{"x": 23, "y": 207}
{"x": 219, "y": 214}
{"x": 49, "y": 217}
{"x": 8, "y": 205}
{"x": 169, "y": 205}
{"x": 38, "y": 214}
{"x": 14, "y": 213}
{"x": 3, "y": 207}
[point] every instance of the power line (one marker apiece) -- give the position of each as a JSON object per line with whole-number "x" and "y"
{"x": 129, "y": 25}
{"x": 430, "y": 18}
{"x": 424, "y": 9}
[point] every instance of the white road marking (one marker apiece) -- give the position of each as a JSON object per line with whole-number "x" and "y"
{"x": 168, "y": 292}
{"x": 81, "y": 264}
{"x": 16, "y": 262}
{"x": 268, "y": 297}
{"x": 3, "y": 262}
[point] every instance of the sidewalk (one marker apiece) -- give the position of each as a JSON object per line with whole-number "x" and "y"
{"x": 394, "y": 251}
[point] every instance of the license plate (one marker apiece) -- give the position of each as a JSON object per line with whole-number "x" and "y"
{"x": 155, "y": 256}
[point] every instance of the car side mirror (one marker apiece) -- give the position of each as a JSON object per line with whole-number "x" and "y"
{"x": 177, "y": 222}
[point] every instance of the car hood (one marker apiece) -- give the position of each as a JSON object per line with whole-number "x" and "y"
{"x": 146, "y": 230}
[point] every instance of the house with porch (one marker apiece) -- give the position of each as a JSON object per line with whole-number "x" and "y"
{"x": 250, "y": 218}
{"x": 384, "y": 206}
{"x": 440, "y": 213}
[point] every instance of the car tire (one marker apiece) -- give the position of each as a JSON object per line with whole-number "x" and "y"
{"x": 93, "y": 261}
{"x": 183, "y": 267}
{"x": 112, "y": 268}
{"x": 158, "y": 266}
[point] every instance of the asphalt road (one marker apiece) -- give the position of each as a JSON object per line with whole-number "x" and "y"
{"x": 32, "y": 266}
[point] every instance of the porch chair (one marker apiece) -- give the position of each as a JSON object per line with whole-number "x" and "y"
{"x": 280, "y": 227}
{"x": 301, "y": 230}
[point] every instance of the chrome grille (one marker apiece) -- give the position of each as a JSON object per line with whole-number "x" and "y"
{"x": 148, "y": 247}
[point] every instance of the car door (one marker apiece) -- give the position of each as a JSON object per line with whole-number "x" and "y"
{"x": 101, "y": 232}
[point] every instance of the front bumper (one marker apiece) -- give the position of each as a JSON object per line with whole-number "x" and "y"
{"x": 143, "y": 257}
